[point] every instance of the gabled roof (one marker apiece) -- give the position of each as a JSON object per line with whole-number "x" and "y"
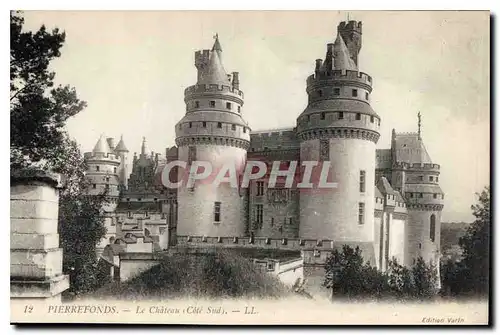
{"x": 385, "y": 187}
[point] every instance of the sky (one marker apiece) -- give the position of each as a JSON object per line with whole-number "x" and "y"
{"x": 132, "y": 68}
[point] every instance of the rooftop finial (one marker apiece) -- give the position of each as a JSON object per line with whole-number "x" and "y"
{"x": 419, "y": 116}
{"x": 217, "y": 46}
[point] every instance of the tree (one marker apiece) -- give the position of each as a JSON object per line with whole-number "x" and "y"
{"x": 424, "y": 279}
{"x": 38, "y": 113}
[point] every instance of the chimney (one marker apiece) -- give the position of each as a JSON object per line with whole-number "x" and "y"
{"x": 236, "y": 80}
{"x": 111, "y": 143}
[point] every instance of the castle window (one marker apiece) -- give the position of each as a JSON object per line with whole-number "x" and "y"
{"x": 128, "y": 199}
{"x": 259, "y": 211}
{"x": 270, "y": 266}
{"x": 228, "y": 105}
{"x": 217, "y": 211}
{"x": 97, "y": 168}
{"x": 435, "y": 196}
{"x": 432, "y": 233}
{"x": 244, "y": 129}
{"x": 219, "y": 124}
{"x": 341, "y": 115}
{"x": 420, "y": 245}
{"x": 212, "y": 104}
{"x": 320, "y": 93}
{"x": 323, "y": 116}
{"x": 107, "y": 179}
{"x": 233, "y": 127}
{"x": 366, "y": 95}
{"x": 94, "y": 186}
{"x": 197, "y": 104}
{"x": 354, "y": 93}
{"x": 308, "y": 118}
{"x": 139, "y": 199}
{"x": 260, "y": 188}
{"x": 129, "y": 214}
{"x": 361, "y": 214}
{"x": 437, "y": 179}
{"x": 190, "y": 124}
{"x": 336, "y": 91}
{"x": 204, "y": 124}
{"x": 362, "y": 175}
{"x": 421, "y": 178}
{"x": 290, "y": 221}
{"x": 239, "y": 109}
{"x": 420, "y": 195}
{"x": 358, "y": 116}
{"x": 272, "y": 222}
{"x": 114, "y": 170}
{"x": 372, "y": 119}
{"x": 431, "y": 178}
{"x": 145, "y": 214}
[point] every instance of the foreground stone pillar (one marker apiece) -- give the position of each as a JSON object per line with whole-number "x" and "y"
{"x": 35, "y": 256}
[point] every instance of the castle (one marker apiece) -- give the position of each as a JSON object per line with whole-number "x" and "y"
{"x": 388, "y": 201}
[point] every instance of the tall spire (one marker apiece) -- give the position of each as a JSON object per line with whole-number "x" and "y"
{"x": 121, "y": 146}
{"x": 102, "y": 146}
{"x": 143, "y": 148}
{"x": 419, "y": 116}
{"x": 343, "y": 60}
{"x": 217, "y": 46}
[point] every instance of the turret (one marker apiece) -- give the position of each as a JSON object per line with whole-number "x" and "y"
{"x": 351, "y": 33}
{"x": 212, "y": 130}
{"x": 122, "y": 152}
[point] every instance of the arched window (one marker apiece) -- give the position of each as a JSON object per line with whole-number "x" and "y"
{"x": 432, "y": 233}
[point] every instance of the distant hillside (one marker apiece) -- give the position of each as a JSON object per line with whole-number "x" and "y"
{"x": 450, "y": 235}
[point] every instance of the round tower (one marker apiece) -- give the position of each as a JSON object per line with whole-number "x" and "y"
{"x": 212, "y": 130}
{"x": 122, "y": 152}
{"x": 102, "y": 172}
{"x": 339, "y": 126}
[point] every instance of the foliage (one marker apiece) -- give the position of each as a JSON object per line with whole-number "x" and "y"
{"x": 217, "y": 275}
{"x": 470, "y": 275}
{"x": 38, "y": 113}
{"x": 349, "y": 277}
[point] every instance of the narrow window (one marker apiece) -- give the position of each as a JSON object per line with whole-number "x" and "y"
{"x": 411, "y": 195}
{"x": 431, "y": 178}
{"x": 219, "y": 124}
{"x": 437, "y": 179}
{"x": 372, "y": 119}
{"x": 114, "y": 170}
{"x": 190, "y": 124}
{"x": 354, "y": 93}
{"x": 94, "y": 186}
{"x": 233, "y": 127}
{"x": 435, "y": 196}
{"x": 97, "y": 168}
{"x": 336, "y": 91}
{"x": 146, "y": 214}
{"x": 244, "y": 129}
{"x": 421, "y": 178}
{"x": 432, "y": 233}
{"x": 272, "y": 222}
{"x": 139, "y": 199}
{"x": 217, "y": 211}
{"x": 197, "y": 104}
{"x": 259, "y": 213}
{"x": 362, "y": 175}
{"x": 358, "y": 116}
{"x": 341, "y": 115}
{"x": 420, "y": 195}
{"x": 212, "y": 104}
{"x": 129, "y": 214}
{"x": 290, "y": 221}
{"x": 320, "y": 93}
{"x": 308, "y": 118}
{"x": 204, "y": 124}
{"x": 260, "y": 188}
{"x": 228, "y": 105}
{"x": 239, "y": 109}
{"x": 361, "y": 215}
{"x": 420, "y": 245}
{"x": 323, "y": 116}
{"x": 366, "y": 95}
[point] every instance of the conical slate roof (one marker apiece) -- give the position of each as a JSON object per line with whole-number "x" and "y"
{"x": 343, "y": 60}
{"x": 215, "y": 73}
{"x": 102, "y": 146}
{"x": 121, "y": 146}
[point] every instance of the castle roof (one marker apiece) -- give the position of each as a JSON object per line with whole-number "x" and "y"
{"x": 341, "y": 105}
{"x": 409, "y": 148}
{"x": 385, "y": 187}
{"x": 121, "y": 146}
{"x": 215, "y": 73}
{"x": 342, "y": 57}
{"x": 102, "y": 146}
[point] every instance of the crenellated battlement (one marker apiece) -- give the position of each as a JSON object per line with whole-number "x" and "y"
{"x": 347, "y": 75}
{"x": 99, "y": 156}
{"x": 417, "y": 166}
{"x": 351, "y": 25}
{"x": 212, "y": 88}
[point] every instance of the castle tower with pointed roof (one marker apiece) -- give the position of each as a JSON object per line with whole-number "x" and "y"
{"x": 339, "y": 126}
{"x": 213, "y": 130}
